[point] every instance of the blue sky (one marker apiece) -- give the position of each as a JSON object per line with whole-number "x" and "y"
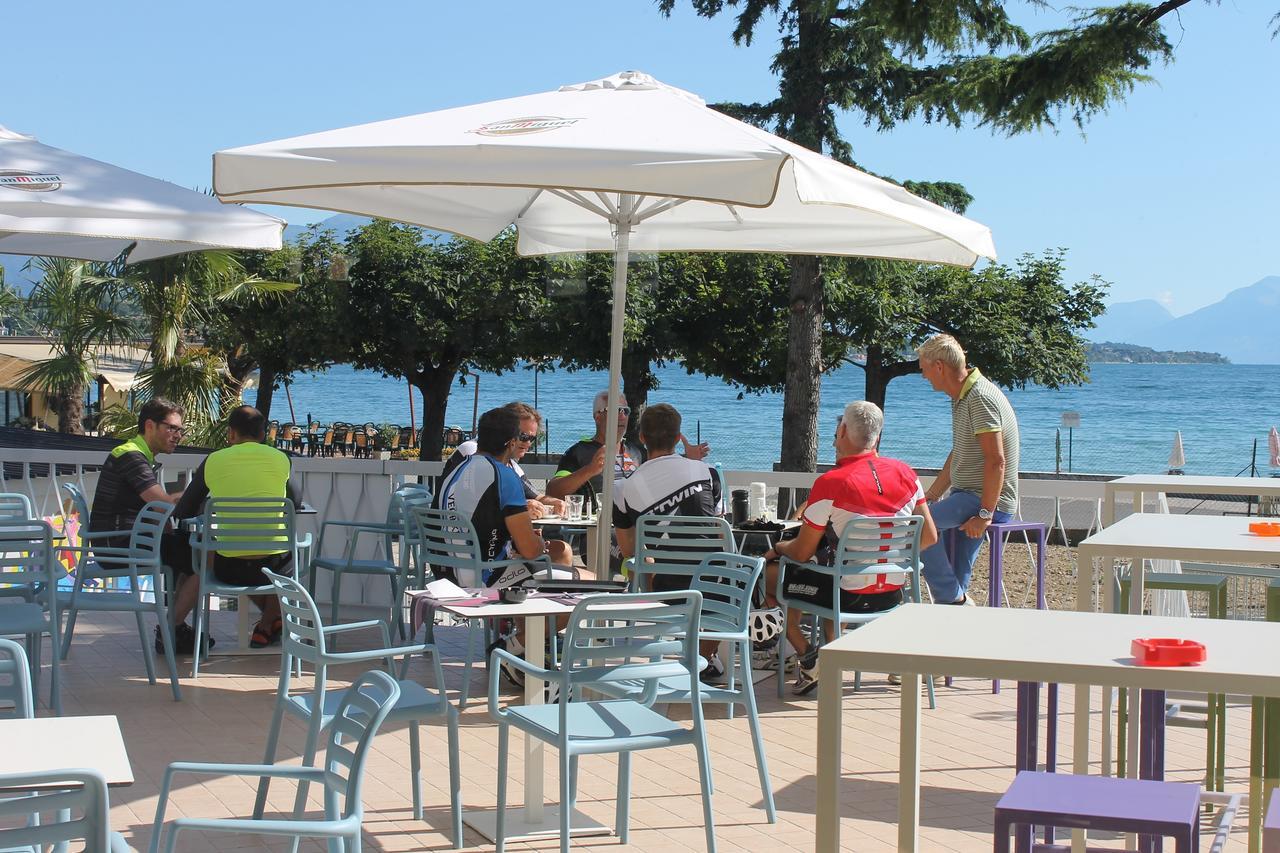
{"x": 1170, "y": 196}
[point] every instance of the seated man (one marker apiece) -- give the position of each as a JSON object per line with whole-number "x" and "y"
{"x": 127, "y": 482}
{"x": 246, "y": 468}
{"x": 862, "y": 484}
{"x": 666, "y": 484}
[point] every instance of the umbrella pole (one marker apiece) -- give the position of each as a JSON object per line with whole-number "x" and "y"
{"x": 621, "y": 253}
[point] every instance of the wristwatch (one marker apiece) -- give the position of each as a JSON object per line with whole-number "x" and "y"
{"x": 984, "y": 514}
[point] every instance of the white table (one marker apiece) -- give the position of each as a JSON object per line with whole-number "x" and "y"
{"x": 589, "y": 523}
{"x": 1140, "y": 484}
{"x": 740, "y": 534}
{"x": 58, "y": 743}
{"x": 981, "y": 642}
{"x": 533, "y": 820}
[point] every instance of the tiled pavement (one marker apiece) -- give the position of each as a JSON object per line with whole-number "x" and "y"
{"x": 967, "y": 754}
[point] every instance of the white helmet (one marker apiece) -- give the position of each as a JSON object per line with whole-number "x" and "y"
{"x": 766, "y": 624}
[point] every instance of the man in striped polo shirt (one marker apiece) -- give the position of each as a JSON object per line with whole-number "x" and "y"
{"x": 981, "y": 471}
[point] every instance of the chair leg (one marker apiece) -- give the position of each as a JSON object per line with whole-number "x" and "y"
{"x": 269, "y": 757}
{"x": 573, "y": 782}
{"x": 415, "y": 769}
{"x": 148, "y": 654}
{"x": 933, "y": 699}
{"x": 33, "y": 666}
{"x": 704, "y": 776}
{"x": 757, "y": 741}
{"x": 1002, "y": 828}
{"x": 622, "y": 825}
{"x": 73, "y": 610}
{"x": 55, "y": 661}
{"x": 466, "y": 670}
{"x": 309, "y": 752}
{"x": 334, "y": 589}
{"x": 500, "y": 820}
{"x": 170, "y": 658}
{"x": 566, "y": 798}
{"x": 455, "y": 774}
{"x": 202, "y": 604}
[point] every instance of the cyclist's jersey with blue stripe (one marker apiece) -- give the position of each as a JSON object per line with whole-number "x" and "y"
{"x": 487, "y": 492}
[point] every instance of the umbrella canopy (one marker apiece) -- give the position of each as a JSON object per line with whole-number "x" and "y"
{"x": 615, "y": 164}
{"x": 1177, "y": 459}
{"x": 53, "y": 202}
{"x": 1273, "y": 448}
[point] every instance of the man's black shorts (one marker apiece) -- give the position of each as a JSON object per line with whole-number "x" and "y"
{"x": 815, "y": 588}
{"x": 247, "y": 571}
{"x": 175, "y": 552}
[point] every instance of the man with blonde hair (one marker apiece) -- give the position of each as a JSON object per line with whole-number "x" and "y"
{"x": 981, "y": 471}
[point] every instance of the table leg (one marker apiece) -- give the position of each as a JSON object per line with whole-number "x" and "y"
{"x": 1257, "y": 729}
{"x": 909, "y": 765}
{"x": 1027, "y": 750}
{"x": 1080, "y": 761}
{"x": 995, "y": 581}
{"x": 534, "y": 646}
{"x": 829, "y": 753}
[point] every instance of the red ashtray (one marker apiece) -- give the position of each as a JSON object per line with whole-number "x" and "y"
{"x": 1264, "y": 528}
{"x": 1167, "y": 651}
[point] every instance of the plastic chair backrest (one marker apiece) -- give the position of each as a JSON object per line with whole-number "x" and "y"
{"x": 361, "y": 438}
{"x": 328, "y": 436}
{"x": 871, "y": 544}
{"x": 248, "y": 525}
{"x": 148, "y": 528}
{"x": 646, "y": 630}
{"x": 26, "y": 557}
{"x": 15, "y": 682}
{"x": 675, "y": 544}
{"x": 78, "y": 502}
{"x": 303, "y": 629}
{"x": 273, "y": 429}
{"x": 16, "y": 505}
{"x": 448, "y": 540}
{"x": 726, "y": 582}
{"x": 81, "y": 792}
{"x": 364, "y": 707}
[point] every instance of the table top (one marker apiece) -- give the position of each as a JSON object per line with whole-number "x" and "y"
{"x": 1184, "y": 537}
{"x": 561, "y": 521}
{"x": 787, "y": 524}
{"x": 529, "y": 607}
{"x": 57, "y": 743}
{"x": 1195, "y": 484}
{"x": 1062, "y": 646}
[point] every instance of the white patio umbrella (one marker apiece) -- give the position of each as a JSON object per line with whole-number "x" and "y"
{"x": 616, "y": 164}
{"x": 53, "y": 202}
{"x": 1273, "y": 448}
{"x": 1177, "y": 459}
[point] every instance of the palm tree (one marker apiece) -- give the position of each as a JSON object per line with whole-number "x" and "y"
{"x": 80, "y": 315}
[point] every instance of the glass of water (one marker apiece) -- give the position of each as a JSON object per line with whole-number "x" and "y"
{"x": 573, "y": 507}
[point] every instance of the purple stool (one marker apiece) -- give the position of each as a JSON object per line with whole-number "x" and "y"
{"x": 1271, "y": 825}
{"x": 997, "y": 538}
{"x": 1143, "y": 806}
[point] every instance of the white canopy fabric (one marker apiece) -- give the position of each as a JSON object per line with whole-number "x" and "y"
{"x": 118, "y": 366}
{"x": 53, "y": 202}
{"x": 614, "y": 164}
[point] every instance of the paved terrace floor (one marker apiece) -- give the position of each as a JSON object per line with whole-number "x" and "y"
{"x": 967, "y": 754}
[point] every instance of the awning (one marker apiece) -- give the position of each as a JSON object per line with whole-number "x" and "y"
{"x": 117, "y": 366}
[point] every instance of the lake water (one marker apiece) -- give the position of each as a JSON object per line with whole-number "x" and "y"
{"x": 1129, "y": 413}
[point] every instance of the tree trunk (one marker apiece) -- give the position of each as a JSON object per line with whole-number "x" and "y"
{"x": 637, "y": 381}
{"x": 803, "y": 393}
{"x": 71, "y": 411}
{"x": 876, "y": 382}
{"x": 266, "y": 390}
{"x": 434, "y": 385}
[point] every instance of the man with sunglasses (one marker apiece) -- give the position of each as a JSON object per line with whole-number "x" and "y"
{"x": 862, "y": 484}
{"x": 128, "y": 481}
{"x": 539, "y": 504}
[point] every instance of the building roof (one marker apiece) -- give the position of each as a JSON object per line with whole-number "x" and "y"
{"x": 118, "y": 366}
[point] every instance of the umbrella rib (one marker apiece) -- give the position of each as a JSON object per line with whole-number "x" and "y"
{"x": 528, "y": 204}
{"x": 660, "y": 206}
{"x": 574, "y": 197}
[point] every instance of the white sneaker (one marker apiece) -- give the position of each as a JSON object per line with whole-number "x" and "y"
{"x": 893, "y": 678}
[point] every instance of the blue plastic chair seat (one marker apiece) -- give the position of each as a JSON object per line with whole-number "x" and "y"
{"x": 24, "y": 619}
{"x": 415, "y": 702}
{"x": 605, "y": 722}
{"x": 364, "y": 567}
{"x": 675, "y": 688}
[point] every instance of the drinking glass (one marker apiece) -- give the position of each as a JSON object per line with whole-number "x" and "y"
{"x": 573, "y": 504}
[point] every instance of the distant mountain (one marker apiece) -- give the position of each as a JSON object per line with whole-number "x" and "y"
{"x": 1244, "y": 326}
{"x": 1113, "y": 353}
{"x": 1129, "y": 321}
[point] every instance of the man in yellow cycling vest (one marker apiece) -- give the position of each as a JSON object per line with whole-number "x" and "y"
{"x": 247, "y": 468}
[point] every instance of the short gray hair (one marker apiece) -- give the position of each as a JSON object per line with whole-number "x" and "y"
{"x": 945, "y": 349}
{"x": 863, "y": 421}
{"x": 601, "y": 402}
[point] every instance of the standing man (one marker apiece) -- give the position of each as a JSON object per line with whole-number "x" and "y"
{"x": 981, "y": 470}
{"x": 247, "y": 468}
{"x": 863, "y": 484}
{"x": 129, "y": 479}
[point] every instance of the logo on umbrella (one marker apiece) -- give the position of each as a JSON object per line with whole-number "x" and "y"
{"x": 31, "y": 182}
{"x": 522, "y": 126}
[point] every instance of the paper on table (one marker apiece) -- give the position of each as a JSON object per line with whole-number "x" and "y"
{"x": 444, "y": 589}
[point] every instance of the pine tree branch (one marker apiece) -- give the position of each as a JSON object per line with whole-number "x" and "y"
{"x": 1158, "y": 12}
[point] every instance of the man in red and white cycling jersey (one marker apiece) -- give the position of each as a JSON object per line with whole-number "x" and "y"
{"x": 862, "y": 484}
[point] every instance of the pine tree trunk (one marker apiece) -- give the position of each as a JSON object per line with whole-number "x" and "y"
{"x": 803, "y": 392}
{"x": 434, "y": 385}
{"x": 71, "y": 411}
{"x": 266, "y": 390}
{"x": 877, "y": 382}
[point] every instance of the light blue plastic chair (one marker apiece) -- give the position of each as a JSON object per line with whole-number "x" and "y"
{"x": 306, "y": 640}
{"x": 27, "y": 564}
{"x": 449, "y": 544}
{"x": 100, "y": 568}
{"x": 726, "y": 582}
{"x": 253, "y": 525}
{"x": 397, "y": 570}
{"x": 356, "y": 719}
{"x": 625, "y": 638}
{"x": 15, "y": 683}
{"x": 868, "y": 546}
{"x": 76, "y": 799}
{"x": 675, "y": 545}
{"x": 15, "y": 505}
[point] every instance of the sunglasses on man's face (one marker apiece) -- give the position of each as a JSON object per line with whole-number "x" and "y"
{"x": 622, "y": 410}
{"x": 526, "y": 437}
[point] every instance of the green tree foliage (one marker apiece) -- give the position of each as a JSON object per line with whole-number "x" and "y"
{"x": 80, "y": 314}
{"x": 280, "y": 334}
{"x": 947, "y": 61}
{"x": 423, "y": 312}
